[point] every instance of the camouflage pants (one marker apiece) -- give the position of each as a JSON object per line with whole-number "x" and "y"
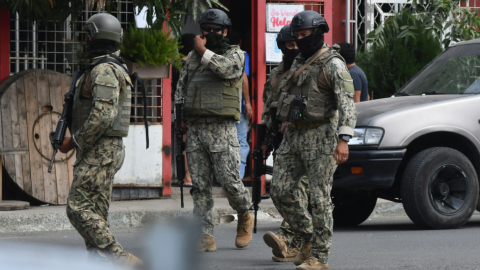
{"x": 304, "y": 152}
{"x": 294, "y": 240}
{"x": 214, "y": 147}
{"x": 89, "y": 198}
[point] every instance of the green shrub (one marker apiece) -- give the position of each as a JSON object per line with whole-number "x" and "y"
{"x": 389, "y": 67}
{"x": 409, "y": 40}
{"x": 151, "y": 46}
{"x": 391, "y": 61}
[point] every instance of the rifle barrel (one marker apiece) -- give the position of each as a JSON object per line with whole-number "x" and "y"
{"x": 52, "y": 160}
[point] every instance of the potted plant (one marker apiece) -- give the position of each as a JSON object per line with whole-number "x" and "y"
{"x": 149, "y": 52}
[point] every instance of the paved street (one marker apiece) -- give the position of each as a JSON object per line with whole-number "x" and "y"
{"x": 380, "y": 243}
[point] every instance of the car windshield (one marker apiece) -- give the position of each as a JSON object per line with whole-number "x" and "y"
{"x": 456, "y": 71}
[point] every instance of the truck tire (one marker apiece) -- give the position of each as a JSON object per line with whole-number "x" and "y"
{"x": 352, "y": 212}
{"x": 439, "y": 188}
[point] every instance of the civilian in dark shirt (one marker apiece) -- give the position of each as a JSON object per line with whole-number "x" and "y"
{"x": 360, "y": 83}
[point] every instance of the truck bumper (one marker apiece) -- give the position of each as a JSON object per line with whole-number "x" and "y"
{"x": 378, "y": 169}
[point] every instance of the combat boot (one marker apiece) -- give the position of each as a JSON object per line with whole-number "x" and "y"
{"x": 304, "y": 254}
{"x": 312, "y": 264}
{"x": 129, "y": 261}
{"x": 207, "y": 244}
{"x": 244, "y": 231}
{"x": 277, "y": 243}
{"x": 289, "y": 256}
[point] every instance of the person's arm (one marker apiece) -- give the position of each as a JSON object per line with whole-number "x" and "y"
{"x": 106, "y": 83}
{"x": 229, "y": 66}
{"x": 357, "y": 85}
{"x": 180, "y": 94}
{"x": 246, "y": 97}
{"x": 266, "y": 120}
{"x": 358, "y": 94}
{"x": 347, "y": 114}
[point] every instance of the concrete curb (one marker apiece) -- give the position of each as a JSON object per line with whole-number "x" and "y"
{"x": 122, "y": 219}
{"x": 140, "y": 213}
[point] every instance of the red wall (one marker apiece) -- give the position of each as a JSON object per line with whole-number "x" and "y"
{"x": 4, "y": 44}
{"x": 337, "y": 26}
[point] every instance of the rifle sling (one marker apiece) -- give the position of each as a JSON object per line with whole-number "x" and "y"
{"x": 275, "y": 81}
{"x": 298, "y": 71}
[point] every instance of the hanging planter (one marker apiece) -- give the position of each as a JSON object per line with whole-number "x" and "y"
{"x": 149, "y": 71}
{"x": 149, "y": 52}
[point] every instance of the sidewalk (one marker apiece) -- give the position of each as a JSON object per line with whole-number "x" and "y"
{"x": 126, "y": 214}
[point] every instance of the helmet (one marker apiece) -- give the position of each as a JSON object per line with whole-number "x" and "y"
{"x": 284, "y": 36}
{"x": 104, "y": 26}
{"x": 215, "y": 16}
{"x": 309, "y": 19}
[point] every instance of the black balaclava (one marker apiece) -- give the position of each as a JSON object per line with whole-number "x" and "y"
{"x": 311, "y": 44}
{"x": 288, "y": 57}
{"x": 101, "y": 47}
{"x": 216, "y": 42}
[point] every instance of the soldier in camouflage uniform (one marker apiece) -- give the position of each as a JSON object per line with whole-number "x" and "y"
{"x": 209, "y": 87}
{"x": 317, "y": 99}
{"x": 100, "y": 118}
{"x": 285, "y": 244}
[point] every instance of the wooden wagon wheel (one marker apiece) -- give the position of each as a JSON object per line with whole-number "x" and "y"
{"x": 30, "y": 105}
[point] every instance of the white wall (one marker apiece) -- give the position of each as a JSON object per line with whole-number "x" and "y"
{"x": 142, "y": 166}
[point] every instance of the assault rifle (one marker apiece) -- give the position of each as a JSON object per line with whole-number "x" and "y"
{"x": 277, "y": 136}
{"x": 179, "y": 147}
{"x": 65, "y": 120}
{"x": 259, "y": 169}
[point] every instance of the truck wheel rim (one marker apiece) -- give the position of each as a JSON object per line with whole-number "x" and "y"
{"x": 448, "y": 189}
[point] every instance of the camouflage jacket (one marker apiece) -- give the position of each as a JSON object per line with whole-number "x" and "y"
{"x": 229, "y": 66}
{"x": 104, "y": 110}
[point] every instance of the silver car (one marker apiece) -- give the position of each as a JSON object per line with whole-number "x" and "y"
{"x": 421, "y": 147}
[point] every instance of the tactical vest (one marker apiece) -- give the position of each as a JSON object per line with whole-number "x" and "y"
{"x": 314, "y": 86}
{"x": 208, "y": 95}
{"x": 82, "y": 106}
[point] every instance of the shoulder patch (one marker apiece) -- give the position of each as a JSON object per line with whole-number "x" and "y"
{"x": 107, "y": 80}
{"x": 348, "y": 82}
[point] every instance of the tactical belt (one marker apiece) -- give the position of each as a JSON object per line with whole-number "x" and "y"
{"x": 308, "y": 125}
{"x": 211, "y": 119}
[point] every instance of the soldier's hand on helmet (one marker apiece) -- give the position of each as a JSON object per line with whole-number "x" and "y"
{"x": 284, "y": 127}
{"x": 265, "y": 153}
{"x": 200, "y": 42}
{"x": 248, "y": 108}
{"x": 341, "y": 152}
{"x": 66, "y": 146}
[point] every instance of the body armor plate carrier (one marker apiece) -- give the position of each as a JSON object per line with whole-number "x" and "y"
{"x": 314, "y": 87}
{"x": 82, "y": 105}
{"x": 208, "y": 95}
